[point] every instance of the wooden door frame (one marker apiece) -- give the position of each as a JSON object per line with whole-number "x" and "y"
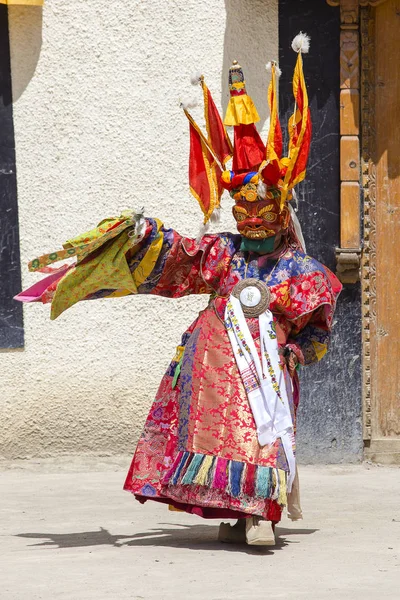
{"x": 358, "y": 139}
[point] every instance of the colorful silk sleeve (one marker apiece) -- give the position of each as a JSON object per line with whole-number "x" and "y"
{"x": 176, "y": 273}
{"x": 309, "y": 338}
{"x": 123, "y": 256}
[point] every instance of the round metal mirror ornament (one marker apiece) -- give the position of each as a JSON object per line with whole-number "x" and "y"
{"x": 254, "y": 296}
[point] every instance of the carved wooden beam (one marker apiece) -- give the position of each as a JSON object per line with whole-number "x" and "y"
{"x": 349, "y": 253}
{"x": 368, "y": 261}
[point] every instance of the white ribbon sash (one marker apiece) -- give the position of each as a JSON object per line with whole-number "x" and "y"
{"x": 264, "y": 380}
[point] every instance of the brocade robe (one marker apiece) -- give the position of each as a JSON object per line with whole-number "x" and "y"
{"x": 199, "y": 450}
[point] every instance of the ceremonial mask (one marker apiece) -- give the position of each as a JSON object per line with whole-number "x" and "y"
{"x": 261, "y": 218}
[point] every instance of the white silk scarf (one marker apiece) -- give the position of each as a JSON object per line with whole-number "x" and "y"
{"x": 266, "y": 384}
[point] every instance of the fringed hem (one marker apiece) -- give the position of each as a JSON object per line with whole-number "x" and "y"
{"x": 272, "y": 512}
{"x": 237, "y": 479}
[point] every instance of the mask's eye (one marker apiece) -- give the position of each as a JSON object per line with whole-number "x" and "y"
{"x": 240, "y": 213}
{"x": 266, "y": 214}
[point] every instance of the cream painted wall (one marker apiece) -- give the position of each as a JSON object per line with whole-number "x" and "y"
{"x": 98, "y": 129}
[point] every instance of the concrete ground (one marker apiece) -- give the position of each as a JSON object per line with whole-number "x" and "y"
{"x": 69, "y": 532}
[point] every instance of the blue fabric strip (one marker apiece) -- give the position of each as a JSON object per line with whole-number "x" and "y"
{"x": 263, "y": 483}
{"x": 178, "y": 470}
{"x": 249, "y": 176}
{"x": 235, "y": 476}
{"x": 193, "y": 469}
{"x": 185, "y": 397}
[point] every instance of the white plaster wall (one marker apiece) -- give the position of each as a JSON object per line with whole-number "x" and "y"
{"x": 98, "y": 129}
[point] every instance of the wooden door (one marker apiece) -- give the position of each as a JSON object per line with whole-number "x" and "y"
{"x": 380, "y": 90}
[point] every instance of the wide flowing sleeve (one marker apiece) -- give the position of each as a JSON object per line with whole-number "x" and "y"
{"x": 311, "y": 332}
{"x": 122, "y": 256}
{"x": 310, "y": 336}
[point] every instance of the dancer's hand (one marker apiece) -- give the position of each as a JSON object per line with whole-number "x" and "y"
{"x": 291, "y": 360}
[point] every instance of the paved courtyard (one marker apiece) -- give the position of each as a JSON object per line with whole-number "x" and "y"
{"x": 69, "y": 532}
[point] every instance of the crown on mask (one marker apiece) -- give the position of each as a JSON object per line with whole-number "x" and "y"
{"x": 259, "y": 170}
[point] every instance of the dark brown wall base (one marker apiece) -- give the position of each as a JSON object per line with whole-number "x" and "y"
{"x": 11, "y": 318}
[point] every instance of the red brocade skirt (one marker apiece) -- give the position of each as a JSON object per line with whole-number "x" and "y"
{"x": 199, "y": 450}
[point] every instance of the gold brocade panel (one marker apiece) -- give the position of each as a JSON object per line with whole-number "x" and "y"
{"x": 221, "y": 422}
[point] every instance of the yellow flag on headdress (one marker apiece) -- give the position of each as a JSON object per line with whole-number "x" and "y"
{"x": 275, "y": 143}
{"x": 241, "y": 109}
{"x": 299, "y": 123}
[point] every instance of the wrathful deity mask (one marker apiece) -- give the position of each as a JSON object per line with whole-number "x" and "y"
{"x": 260, "y": 219}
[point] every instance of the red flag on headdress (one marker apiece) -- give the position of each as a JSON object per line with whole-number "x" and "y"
{"x": 204, "y": 173}
{"x": 249, "y": 148}
{"x": 217, "y": 136}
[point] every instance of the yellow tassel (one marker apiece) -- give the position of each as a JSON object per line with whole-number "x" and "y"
{"x": 282, "y": 500}
{"x": 320, "y": 349}
{"x": 202, "y": 476}
{"x": 179, "y": 353}
{"x": 274, "y": 495}
{"x": 241, "y": 111}
{"x": 173, "y": 509}
{"x": 226, "y": 176}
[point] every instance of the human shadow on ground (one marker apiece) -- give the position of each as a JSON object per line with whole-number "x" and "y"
{"x": 192, "y": 537}
{"x": 76, "y": 540}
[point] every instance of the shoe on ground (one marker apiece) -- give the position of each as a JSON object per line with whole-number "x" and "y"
{"x": 233, "y": 534}
{"x": 259, "y": 532}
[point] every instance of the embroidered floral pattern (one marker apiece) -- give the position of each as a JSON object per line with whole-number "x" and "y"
{"x": 203, "y": 409}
